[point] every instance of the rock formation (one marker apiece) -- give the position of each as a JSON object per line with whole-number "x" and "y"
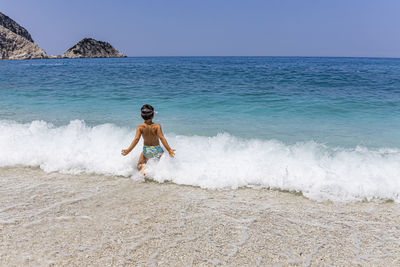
{"x": 14, "y": 46}
{"x": 16, "y": 42}
{"x": 10, "y": 24}
{"x": 89, "y": 47}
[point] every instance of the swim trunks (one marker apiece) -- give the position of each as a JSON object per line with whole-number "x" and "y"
{"x": 152, "y": 151}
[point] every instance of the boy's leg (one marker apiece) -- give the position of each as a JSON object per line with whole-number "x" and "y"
{"x": 141, "y": 164}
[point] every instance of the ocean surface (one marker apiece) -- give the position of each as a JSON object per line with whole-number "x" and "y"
{"x": 325, "y": 127}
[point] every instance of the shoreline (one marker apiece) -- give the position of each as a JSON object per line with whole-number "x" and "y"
{"x": 60, "y": 219}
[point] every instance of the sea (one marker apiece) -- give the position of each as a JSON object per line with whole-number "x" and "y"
{"x": 327, "y": 128}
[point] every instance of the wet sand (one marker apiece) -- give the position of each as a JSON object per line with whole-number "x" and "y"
{"x": 77, "y": 220}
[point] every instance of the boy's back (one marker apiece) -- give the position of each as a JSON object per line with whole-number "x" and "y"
{"x": 150, "y": 133}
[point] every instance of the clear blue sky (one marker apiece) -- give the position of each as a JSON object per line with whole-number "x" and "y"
{"x": 216, "y": 27}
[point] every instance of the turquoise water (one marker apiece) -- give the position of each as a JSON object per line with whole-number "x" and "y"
{"x": 326, "y": 127}
{"x": 336, "y": 101}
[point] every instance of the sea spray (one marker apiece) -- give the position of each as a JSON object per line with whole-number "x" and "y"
{"x": 223, "y": 161}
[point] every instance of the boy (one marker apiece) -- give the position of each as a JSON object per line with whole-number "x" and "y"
{"x": 151, "y": 133}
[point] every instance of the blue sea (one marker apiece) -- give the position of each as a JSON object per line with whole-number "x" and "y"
{"x": 325, "y": 127}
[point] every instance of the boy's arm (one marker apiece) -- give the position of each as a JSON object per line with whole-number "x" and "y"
{"x": 125, "y": 152}
{"x": 164, "y": 142}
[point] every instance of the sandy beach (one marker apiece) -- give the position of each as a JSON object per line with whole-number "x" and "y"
{"x": 53, "y": 219}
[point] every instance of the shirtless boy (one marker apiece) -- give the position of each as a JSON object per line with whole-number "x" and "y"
{"x": 151, "y": 133}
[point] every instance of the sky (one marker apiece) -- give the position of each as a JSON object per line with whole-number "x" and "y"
{"x": 354, "y": 28}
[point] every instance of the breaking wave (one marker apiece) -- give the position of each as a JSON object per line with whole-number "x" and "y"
{"x": 223, "y": 161}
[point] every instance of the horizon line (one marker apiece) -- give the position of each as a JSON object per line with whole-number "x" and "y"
{"x": 349, "y": 57}
{"x": 388, "y": 57}
{"x": 372, "y": 57}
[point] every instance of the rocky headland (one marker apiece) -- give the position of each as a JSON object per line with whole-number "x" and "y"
{"x": 10, "y": 24}
{"x": 89, "y": 47}
{"x": 17, "y": 43}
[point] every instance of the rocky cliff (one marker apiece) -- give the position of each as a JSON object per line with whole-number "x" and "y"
{"x": 89, "y": 47}
{"x": 10, "y": 24}
{"x": 14, "y": 46}
{"x": 16, "y": 42}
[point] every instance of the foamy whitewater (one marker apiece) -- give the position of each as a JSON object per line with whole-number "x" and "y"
{"x": 218, "y": 162}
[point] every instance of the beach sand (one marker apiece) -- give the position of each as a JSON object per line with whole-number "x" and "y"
{"x": 76, "y": 220}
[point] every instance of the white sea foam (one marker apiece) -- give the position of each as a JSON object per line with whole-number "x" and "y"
{"x": 223, "y": 161}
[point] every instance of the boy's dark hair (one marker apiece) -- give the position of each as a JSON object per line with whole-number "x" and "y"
{"x": 147, "y": 112}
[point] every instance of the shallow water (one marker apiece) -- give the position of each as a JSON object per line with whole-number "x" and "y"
{"x": 326, "y": 127}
